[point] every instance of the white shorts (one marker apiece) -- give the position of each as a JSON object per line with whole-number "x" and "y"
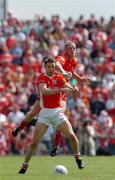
{"x": 52, "y": 117}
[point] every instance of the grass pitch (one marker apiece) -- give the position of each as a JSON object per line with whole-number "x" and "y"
{"x": 41, "y": 168}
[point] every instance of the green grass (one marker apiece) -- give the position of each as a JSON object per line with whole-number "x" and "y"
{"x": 41, "y": 168}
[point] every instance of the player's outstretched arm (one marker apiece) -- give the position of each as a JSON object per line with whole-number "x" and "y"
{"x": 48, "y": 91}
{"x": 44, "y": 90}
{"x": 74, "y": 89}
{"x": 59, "y": 68}
{"x": 81, "y": 79}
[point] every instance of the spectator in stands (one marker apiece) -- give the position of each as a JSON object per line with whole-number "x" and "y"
{"x": 97, "y": 104}
{"x": 111, "y": 143}
{"x": 15, "y": 115}
{"x": 86, "y": 135}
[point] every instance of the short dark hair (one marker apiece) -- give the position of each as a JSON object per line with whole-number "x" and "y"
{"x": 49, "y": 60}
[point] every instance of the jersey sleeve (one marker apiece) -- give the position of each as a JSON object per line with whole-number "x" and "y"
{"x": 59, "y": 59}
{"x": 40, "y": 80}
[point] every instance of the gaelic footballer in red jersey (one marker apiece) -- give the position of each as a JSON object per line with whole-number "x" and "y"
{"x": 66, "y": 64}
{"x": 51, "y": 86}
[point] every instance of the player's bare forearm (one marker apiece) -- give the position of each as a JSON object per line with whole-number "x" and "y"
{"x": 67, "y": 90}
{"x": 60, "y": 68}
{"x": 67, "y": 85}
{"x": 77, "y": 76}
{"x": 49, "y": 91}
{"x": 72, "y": 88}
{"x": 81, "y": 78}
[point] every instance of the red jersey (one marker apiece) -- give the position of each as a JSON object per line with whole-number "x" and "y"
{"x": 56, "y": 81}
{"x": 67, "y": 64}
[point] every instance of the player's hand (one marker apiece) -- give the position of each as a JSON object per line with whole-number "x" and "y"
{"x": 67, "y": 75}
{"x": 67, "y": 90}
{"x": 75, "y": 89}
{"x": 85, "y": 79}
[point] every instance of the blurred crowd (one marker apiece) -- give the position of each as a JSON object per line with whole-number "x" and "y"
{"x": 23, "y": 45}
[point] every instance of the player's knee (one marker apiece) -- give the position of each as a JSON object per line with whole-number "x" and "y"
{"x": 29, "y": 116}
{"x": 34, "y": 144}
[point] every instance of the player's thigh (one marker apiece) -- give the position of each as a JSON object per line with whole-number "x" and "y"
{"x": 36, "y": 108}
{"x": 39, "y": 131}
{"x": 34, "y": 111}
{"x": 66, "y": 128}
{"x": 63, "y": 105}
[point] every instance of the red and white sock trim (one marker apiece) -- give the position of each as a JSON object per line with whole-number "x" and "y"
{"x": 25, "y": 165}
{"x": 77, "y": 156}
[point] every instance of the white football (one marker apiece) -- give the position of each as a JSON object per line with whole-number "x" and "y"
{"x": 59, "y": 169}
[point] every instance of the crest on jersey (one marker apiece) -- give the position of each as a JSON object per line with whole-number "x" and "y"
{"x": 55, "y": 82}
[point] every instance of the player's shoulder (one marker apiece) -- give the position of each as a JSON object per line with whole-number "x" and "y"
{"x": 60, "y": 57}
{"x": 41, "y": 78}
{"x": 42, "y": 75}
